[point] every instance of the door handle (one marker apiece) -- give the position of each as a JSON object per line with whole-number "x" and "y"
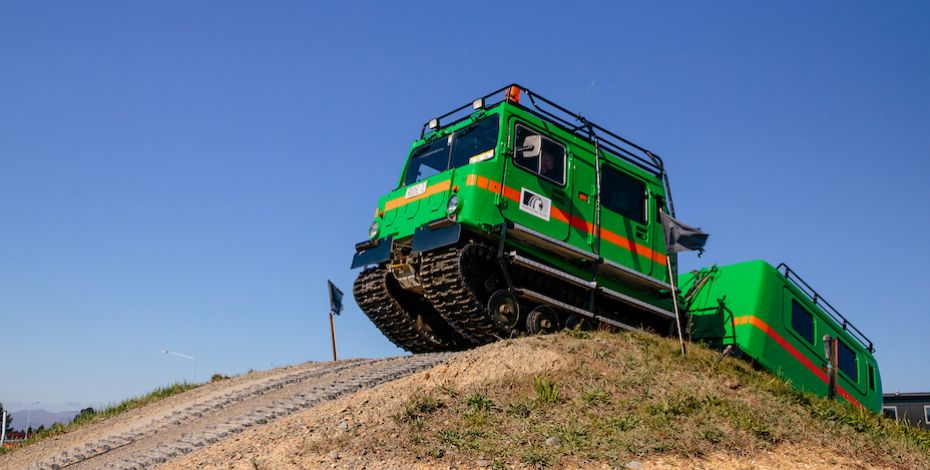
{"x": 641, "y": 232}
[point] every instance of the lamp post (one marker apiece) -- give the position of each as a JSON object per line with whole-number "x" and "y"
{"x": 193, "y": 361}
{"x": 28, "y": 420}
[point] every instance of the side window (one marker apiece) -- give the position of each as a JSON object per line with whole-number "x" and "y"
{"x": 890, "y": 412}
{"x": 549, "y": 163}
{"x": 872, "y": 378}
{"x": 623, "y": 194}
{"x": 802, "y": 321}
{"x": 848, "y": 362}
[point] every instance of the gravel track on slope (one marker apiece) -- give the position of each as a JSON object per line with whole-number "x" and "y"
{"x": 157, "y": 433}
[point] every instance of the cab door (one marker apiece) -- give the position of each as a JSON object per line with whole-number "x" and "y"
{"x": 626, "y": 237}
{"x": 537, "y": 183}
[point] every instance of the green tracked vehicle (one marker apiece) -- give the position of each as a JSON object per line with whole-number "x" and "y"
{"x": 515, "y": 216}
{"x": 771, "y": 316}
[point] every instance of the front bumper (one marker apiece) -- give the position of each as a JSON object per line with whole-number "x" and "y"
{"x": 372, "y": 252}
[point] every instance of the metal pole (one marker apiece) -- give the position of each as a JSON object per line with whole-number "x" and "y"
{"x": 193, "y": 361}
{"x": 671, "y": 280}
{"x": 332, "y": 334}
{"x": 830, "y": 349}
{"x": 28, "y": 420}
{"x": 3, "y": 430}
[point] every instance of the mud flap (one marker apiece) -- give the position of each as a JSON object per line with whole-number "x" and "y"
{"x": 436, "y": 235}
{"x": 372, "y": 252}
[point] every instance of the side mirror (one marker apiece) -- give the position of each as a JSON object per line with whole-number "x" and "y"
{"x": 531, "y": 147}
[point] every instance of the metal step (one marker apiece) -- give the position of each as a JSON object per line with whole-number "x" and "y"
{"x": 626, "y": 274}
{"x": 544, "y": 299}
{"x": 567, "y": 251}
{"x": 545, "y": 269}
{"x": 548, "y": 243}
{"x": 636, "y": 303}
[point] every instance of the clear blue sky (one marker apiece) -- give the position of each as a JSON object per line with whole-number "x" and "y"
{"x": 187, "y": 175}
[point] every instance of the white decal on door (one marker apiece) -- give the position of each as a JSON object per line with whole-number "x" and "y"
{"x": 535, "y": 204}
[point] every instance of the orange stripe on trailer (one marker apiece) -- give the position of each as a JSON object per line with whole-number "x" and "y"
{"x": 768, "y": 330}
{"x": 430, "y": 190}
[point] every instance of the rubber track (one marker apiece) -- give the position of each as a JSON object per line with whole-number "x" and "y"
{"x": 445, "y": 283}
{"x": 390, "y": 370}
{"x": 373, "y": 297}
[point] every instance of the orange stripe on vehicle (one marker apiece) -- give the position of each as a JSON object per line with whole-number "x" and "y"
{"x": 626, "y": 244}
{"x": 768, "y": 330}
{"x": 574, "y": 221}
{"x": 511, "y": 193}
{"x": 430, "y": 190}
{"x": 560, "y": 215}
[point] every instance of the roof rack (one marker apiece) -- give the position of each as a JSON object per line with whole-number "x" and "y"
{"x": 825, "y": 306}
{"x": 576, "y": 124}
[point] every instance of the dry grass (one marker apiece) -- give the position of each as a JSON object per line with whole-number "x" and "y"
{"x": 632, "y": 396}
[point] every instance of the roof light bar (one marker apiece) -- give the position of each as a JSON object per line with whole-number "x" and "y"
{"x": 433, "y": 124}
{"x": 478, "y": 103}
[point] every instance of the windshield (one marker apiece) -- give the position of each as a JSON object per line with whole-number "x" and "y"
{"x": 453, "y": 150}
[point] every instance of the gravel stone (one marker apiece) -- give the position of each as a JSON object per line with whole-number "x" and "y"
{"x": 553, "y": 441}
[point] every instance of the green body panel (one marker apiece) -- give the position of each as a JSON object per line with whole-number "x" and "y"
{"x": 748, "y": 305}
{"x": 489, "y": 190}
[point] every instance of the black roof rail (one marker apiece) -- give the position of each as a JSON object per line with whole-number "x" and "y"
{"x": 825, "y": 306}
{"x": 576, "y": 124}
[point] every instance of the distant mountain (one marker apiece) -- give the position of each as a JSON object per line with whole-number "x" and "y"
{"x": 40, "y": 418}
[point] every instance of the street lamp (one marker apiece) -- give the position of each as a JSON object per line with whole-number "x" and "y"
{"x": 28, "y": 419}
{"x": 193, "y": 361}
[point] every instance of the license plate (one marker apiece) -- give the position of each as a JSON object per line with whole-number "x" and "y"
{"x": 415, "y": 190}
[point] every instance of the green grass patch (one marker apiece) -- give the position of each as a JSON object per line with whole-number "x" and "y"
{"x": 89, "y": 416}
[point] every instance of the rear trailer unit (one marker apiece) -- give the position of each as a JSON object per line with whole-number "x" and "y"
{"x": 513, "y": 216}
{"x": 776, "y": 319}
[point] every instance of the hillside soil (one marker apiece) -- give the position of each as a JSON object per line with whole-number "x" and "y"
{"x": 575, "y": 400}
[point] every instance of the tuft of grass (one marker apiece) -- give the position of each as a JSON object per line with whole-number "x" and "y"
{"x": 547, "y": 391}
{"x": 417, "y": 407}
{"x": 577, "y": 333}
{"x": 595, "y": 397}
{"x": 518, "y": 410}
{"x": 479, "y": 403}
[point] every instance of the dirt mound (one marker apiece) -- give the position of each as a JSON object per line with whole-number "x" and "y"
{"x": 576, "y": 401}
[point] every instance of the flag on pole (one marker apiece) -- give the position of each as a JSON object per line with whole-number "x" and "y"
{"x": 335, "y": 298}
{"x": 680, "y": 237}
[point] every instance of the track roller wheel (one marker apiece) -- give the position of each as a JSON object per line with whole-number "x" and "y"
{"x": 504, "y": 309}
{"x": 542, "y": 320}
{"x": 580, "y": 322}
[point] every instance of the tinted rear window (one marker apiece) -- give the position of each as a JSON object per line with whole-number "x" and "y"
{"x": 802, "y": 321}
{"x": 847, "y": 361}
